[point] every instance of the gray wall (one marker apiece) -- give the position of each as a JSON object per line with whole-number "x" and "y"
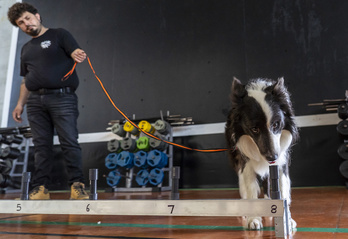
{"x": 5, "y": 46}
{"x": 181, "y": 56}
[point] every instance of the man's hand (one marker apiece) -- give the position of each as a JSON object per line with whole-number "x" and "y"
{"x": 22, "y": 100}
{"x": 16, "y": 114}
{"x": 78, "y": 55}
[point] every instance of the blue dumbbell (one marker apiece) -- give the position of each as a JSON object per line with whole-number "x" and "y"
{"x": 110, "y": 161}
{"x": 142, "y": 177}
{"x": 156, "y": 176}
{"x": 113, "y": 178}
{"x": 157, "y": 159}
{"x": 125, "y": 159}
{"x": 164, "y": 161}
{"x": 140, "y": 159}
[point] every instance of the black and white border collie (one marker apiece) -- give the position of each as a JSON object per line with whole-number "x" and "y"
{"x": 260, "y": 130}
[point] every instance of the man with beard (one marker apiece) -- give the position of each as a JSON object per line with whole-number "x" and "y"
{"x": 51, "y": 102}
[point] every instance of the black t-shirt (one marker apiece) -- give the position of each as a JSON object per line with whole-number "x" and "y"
{"x": 46, "y": 59}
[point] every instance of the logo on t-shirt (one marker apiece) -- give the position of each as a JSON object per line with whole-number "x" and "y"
{"x": 45, "y": 44}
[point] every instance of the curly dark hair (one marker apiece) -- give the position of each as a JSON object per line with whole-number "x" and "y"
{"x": 17, "y": 10}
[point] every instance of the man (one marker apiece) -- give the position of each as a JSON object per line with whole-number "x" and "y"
{"x": 51, "y": 102}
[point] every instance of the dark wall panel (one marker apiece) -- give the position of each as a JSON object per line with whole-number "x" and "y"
{"x": 304, "y": 41}
{"x": 181, "y": 56}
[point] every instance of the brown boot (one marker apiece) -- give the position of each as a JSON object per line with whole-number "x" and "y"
{"x": 78, "y": 191}
{"x": 39, "y": 193}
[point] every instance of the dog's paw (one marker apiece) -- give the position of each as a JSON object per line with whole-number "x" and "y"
{"x": 255, "y": 223}
{"x": 293, "y": 224}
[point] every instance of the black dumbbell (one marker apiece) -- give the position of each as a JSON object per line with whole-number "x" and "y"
{"x": 342, "y": 127}
{"x": 343, "y": 111}
{"x": 9, "y": 152}
{"x": 344, "y": 169}
{"x": 5, "y": 181}
{"x": 5, "y": 166}
{"x": 343, "y": 151}
{"x": 13, "y": 139}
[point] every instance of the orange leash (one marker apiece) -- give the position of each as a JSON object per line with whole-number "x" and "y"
{"x": 135, "y": 125}
{"x": 67, "y": 75}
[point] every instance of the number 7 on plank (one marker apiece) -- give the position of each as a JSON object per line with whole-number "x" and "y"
{"x": 172, "y": 206}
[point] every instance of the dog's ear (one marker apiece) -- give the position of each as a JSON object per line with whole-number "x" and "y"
{"x": 276, "y": 87}
{"x": 237, "y": 91}
{"x": 281, "y": 95}
{"x": 279, "y": 85}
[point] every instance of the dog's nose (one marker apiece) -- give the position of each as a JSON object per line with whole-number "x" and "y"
{"x": 272, "y": 158}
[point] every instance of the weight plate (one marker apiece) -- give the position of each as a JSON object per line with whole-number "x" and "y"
{"x": 10, "y": 152}
{"x": 343, "y": 111}
{"x": 128, "y": 127}
{"x": 343, "y": 151}
{"x": 342, "y": 127}
{"x": 140, "y": 159}
{"x": 111, "y": 161}
{"x": 162, "y": 126}
{"x": 125, "y": 159}
{"x": 6, "y": 166}
{"x": 113, "y": 178}
{"x": 114, "y": 146}
{"x": 156, "y": 176}
{"x": 143, "y": 143}
{"x": 142, "y": 177}
{"x": 157, "y": 144}
{"x": 344, "y": 169}
{"x": 128, "y": 144}
{"x": 146, "y": 126}
{"x": 118, "y": 130}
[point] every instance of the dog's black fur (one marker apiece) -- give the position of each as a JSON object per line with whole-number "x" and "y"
{"x": 260, "y": 129}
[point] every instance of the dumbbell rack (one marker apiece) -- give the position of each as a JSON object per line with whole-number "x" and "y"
{"x": 129, "y": 179}
{"x": 19, "y": 165}
{"x": 342, "y": 129}
{"x": 341, "y": 107}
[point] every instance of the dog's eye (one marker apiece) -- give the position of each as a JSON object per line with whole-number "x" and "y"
{"x": 275, "y": 126}
{"x": 255, "y": 130}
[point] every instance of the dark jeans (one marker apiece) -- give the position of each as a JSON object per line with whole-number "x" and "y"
{"x": 46, "y": 113}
